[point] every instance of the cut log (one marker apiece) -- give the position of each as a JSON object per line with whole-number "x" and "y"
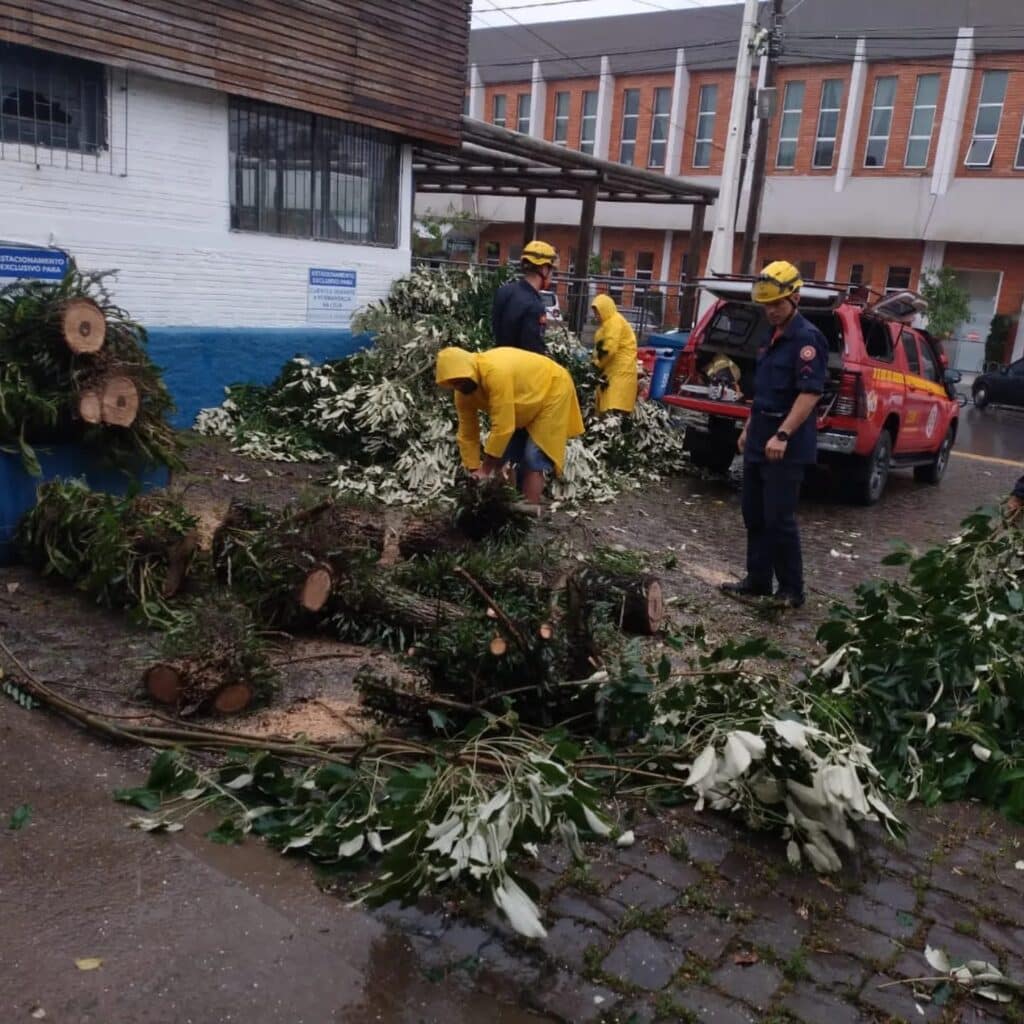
{"x": 406, "y": 608}
{"x": 498, "y": 646}
{"x": 90, "y": 408}
{"x": 545, "y": 631}
{"x": 643, "y": 609}
{"x": 316, "y": 588}
{"x": 84, "y": 326}
{"x": 119, "y": 401}
{"x": 234, "y": 697}
{"x": 164, "y": 683}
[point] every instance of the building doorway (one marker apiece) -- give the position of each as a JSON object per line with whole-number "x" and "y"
{"x": 967, "y": 346}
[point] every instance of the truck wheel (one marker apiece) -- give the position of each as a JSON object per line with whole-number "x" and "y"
{"x": 869, "y": 484}
{"x": 709, "y": 453}
{"x": 980, "y": 396}
{"x": 935, "y": 471}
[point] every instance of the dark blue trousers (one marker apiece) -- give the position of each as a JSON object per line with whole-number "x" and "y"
{"x": 771, "y": 491}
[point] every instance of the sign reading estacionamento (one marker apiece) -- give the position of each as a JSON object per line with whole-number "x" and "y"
{"x": 330, "y": 297}
{"x": 39, "y": 264}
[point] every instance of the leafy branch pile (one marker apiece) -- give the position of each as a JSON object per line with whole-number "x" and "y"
{"x": 74, "y": 368}
{"x": 392, "y": 431}
{"x": 126, "y": 552}
{"x": 930, "y": 668}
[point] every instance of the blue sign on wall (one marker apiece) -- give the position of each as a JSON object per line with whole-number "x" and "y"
{"x": 40, "y": 264}
{"x": 330, "y": 296}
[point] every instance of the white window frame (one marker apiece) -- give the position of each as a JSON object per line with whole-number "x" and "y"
{"x": 705, "y": 133}
{"x": 588, "y": 122}
{"x": 918, "y": 106}
{"x": 633, "y": 121}
{"x": 876, "y": 108}
{"x": 822, "y": 111}
{"x": 522, "y": 116}
{"x": 501, "y": 98}
{"x": 790, "y": 111}
{"x": 561, "y": 125}
{"x": 1018, "y": 163}
{"x": 893, "y": 289}
{"x": 986, "y": 138}
{"x": 659, "y": 127}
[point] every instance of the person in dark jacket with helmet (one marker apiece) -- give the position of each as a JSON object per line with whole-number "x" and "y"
{"x": 779, "y": 440}
{"x": 519, "y": 316}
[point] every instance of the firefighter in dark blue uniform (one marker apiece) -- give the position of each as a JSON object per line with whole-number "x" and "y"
{"x": 780, "y": 438}
{"x": 519, "y": 316}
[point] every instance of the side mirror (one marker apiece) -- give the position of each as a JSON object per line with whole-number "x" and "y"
{"x": 954, "y": 376}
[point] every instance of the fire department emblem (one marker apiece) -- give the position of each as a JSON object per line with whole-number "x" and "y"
{"x": 933, "y": 418}
{"x": 872, "y": 402}
{"x": 808, "y": 352}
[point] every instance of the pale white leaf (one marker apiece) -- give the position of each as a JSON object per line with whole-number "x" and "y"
{"x": 980, "y": 752}
{"x": 937, "y": 958}
{"x": 350, "y": 847}
{"x": 521, "y": 911}
{"x": 240, "y": 781}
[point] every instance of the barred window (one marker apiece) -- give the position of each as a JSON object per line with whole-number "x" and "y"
{"x": 307, "y": 176}
{"x": 51, "y": 101}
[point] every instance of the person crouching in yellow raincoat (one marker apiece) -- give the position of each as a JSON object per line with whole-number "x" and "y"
{"x": 532, "y": 406}
{"x": 615, "y": 356}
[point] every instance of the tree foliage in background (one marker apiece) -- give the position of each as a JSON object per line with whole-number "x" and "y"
{"x": 948, "y": 301}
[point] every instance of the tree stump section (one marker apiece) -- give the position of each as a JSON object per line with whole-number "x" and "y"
{"x": 316, "y": 588}
{"x": 179, "y": 558}
{"x": 643, "y": 609}
{"x": 90, "y": 408}
{"x": 234, "y": 697}
{"x": 84, "y": 326}
{"x": 164, "y": 684}
{"x": 119, "y": 401}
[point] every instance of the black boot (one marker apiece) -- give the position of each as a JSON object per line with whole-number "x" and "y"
{"x": 788, "y": 599}
{"x": 746, "y": 588}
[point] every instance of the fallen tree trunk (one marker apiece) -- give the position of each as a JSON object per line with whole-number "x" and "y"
{"x": 639, "y": 599}
{"x": 119, "y": 401}
{"x": 83, "y": 326}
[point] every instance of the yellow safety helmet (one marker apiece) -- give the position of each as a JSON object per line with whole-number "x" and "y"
{"x": 540, "y": 254}
{"x": 778, "y": 280}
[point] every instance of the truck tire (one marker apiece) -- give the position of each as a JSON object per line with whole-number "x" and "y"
{"x": 709, "y": 452}
{"x": 869, "y": 483}
{"x": 933, "y": 472}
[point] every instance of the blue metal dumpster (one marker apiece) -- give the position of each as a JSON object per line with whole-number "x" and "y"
{"x": 18, "y": 488}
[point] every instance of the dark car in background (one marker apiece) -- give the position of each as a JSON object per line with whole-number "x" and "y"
{"x": 1004, "y": 386}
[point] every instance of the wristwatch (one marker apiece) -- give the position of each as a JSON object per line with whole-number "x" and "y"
{"x": 782, "y": 435}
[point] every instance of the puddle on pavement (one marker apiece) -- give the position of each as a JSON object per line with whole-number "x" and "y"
{"x": 385, "y": 980}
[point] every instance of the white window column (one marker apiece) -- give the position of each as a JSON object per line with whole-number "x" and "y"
{"x": 605, "y": 96}
{"x": 951, "y": 119}
{"x": 666, "y": 257}
{"x": 851, "y": 127}
{"x": 677, "y": 116}
{"x": 538, "y": 101}
{"x": 832, "y": 267}
{"x": 476, "y": 93}
{"x": 934, "y": 256}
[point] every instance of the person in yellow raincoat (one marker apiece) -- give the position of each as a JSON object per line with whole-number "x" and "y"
{"x": 520, "y": 391}
{"x": 615, "y": 356}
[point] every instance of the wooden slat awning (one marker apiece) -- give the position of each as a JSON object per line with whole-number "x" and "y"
{"x": 493, "y": 161}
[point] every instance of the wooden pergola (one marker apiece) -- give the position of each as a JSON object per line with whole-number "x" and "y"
{"x": 493, "y": 161}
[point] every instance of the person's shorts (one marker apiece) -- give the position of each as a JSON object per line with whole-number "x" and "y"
{"x": 524, "y": 453}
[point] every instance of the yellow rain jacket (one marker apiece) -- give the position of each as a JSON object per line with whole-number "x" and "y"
{"x": 516, "y": 389}
{"x": 615, "y": 357}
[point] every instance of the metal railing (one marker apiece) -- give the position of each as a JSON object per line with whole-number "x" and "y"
{"x": 650, "y": 306}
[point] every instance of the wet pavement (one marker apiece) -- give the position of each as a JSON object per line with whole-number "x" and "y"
{"x": 993, "y": 432}
{"x": 700, "y": 921}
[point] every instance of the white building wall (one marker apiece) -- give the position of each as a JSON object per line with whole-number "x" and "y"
{"x": 164, "y": 222}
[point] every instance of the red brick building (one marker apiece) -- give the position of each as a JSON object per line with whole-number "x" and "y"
{"x": 894, "y": 148}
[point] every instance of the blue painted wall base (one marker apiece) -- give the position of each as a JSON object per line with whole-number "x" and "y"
{"x": 18, "y": 488}
{"x": 198, "y": 363}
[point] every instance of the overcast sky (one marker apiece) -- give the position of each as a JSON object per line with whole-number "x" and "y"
{"x": 485, "y": 12}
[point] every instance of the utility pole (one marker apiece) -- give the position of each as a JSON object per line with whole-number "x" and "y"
{"x": 720, "y": 255}
{"x": 752, "y": 231}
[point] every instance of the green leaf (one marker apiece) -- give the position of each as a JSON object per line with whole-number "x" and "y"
{"x": 439, "y": 720}
{"x": 20, "y": 817}
{"x": 226, "y": 833}
{"x": 141, "y": 796}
